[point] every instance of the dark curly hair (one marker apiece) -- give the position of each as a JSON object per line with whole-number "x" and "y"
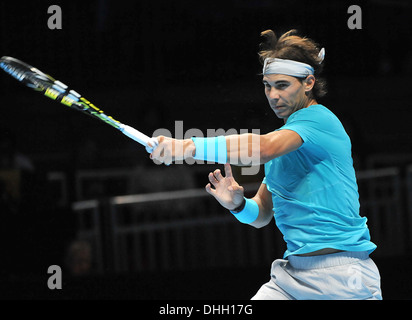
{"x": 293, "y": 47}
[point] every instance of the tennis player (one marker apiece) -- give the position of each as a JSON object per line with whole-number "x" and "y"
{"x": 309, "y": 186}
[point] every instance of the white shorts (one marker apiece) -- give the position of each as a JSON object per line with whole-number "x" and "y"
{"x": 336, "y": 276}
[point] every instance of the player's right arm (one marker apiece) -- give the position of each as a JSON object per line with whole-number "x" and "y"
{"x": 241, "y": 149}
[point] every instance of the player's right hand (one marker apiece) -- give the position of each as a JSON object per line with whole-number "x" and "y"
{"x": 169, "y": 150}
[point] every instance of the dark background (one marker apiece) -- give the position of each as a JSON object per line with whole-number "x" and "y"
{"x": 151, "y": 63}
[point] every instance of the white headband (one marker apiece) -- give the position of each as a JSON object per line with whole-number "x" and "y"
{"x": 290, "y": 67}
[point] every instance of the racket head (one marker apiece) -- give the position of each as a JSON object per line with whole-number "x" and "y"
{"x": 58, "y": 91}
{"x": 26, "y": 74}
{"x": 53, "y": 89}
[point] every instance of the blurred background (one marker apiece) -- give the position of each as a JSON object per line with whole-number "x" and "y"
{"x": 78, "y": 194}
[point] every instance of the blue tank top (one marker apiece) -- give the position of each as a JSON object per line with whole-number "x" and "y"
{"x": 314, "y": 190}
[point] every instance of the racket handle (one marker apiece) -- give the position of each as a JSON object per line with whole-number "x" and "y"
{"x": 139, "y": 137}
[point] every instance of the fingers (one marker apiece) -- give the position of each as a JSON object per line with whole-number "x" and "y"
{"x": 156, "y": 153}
{"x": 218, "y": 175}
{"x": 228, "y": 170}
{"x": 210, "y": 190}
{"x": 152, "y": 144}
{"x": 161, "y": 151}
{"x": 236, "y": 188}
{"x": 215, "y": 177}
{"x": 160, "y": 155}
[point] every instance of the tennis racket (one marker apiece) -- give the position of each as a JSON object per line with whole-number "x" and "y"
{"x": 58, "y": 91}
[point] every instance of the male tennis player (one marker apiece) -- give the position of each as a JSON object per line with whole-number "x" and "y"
{"x": 309, "y": 186}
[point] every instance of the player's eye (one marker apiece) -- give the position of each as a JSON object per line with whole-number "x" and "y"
{"x": 282, "y": 85}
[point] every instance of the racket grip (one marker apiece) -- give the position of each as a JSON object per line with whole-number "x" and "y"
{"x": 139, "y": 137}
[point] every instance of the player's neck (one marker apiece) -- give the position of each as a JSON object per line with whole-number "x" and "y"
{"x": 310, "y": 102}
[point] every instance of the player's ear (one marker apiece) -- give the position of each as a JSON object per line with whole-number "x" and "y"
{"x": 309, "y": 83}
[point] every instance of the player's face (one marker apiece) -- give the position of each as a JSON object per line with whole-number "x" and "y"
{"x": 285, "y": 94}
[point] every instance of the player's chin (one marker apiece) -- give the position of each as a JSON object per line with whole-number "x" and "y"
{"x": 280, "y": 114}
